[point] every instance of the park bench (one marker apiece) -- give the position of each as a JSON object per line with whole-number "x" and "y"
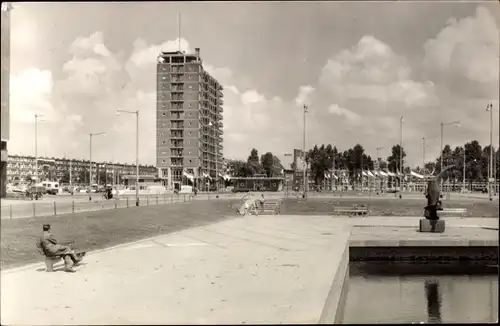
{"x": 351, "y": 211}
{"x": 452, "y": 211}
{"x": 270, "y": 207}
{"x": 50, "y": 260}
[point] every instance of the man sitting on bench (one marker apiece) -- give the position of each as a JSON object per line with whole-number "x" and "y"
{"x": 51, "y": 248}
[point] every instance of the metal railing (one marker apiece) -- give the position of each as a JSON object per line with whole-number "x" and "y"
{"x": 60, "y": 205}
{"x": 68, "y": 205}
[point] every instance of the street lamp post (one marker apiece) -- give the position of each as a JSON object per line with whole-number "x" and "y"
{"x": 37, "y": 115}
{"x": 304, "y": 151}
{"x": 136, "y": 152}
{"x": 443, "y": 124}
{"x": 489, "y": 108}
{"x": 379, "y": 178}
{"x": 424, "y": 147}
{"x": 463, "y": 172}
{"x": 401, "y": 159}
{"x": 214, "y": 124}
{"x": 90, "y": 162}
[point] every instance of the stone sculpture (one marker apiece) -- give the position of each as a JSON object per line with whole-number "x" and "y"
{"x": 431, "y": 222}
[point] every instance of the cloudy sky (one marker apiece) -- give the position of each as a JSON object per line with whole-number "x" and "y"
{"x": 359, "y": 67}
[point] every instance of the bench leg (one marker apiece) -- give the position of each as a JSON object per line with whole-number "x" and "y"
{"x": 68, "y": 263}
{"x": 49, "y": 264}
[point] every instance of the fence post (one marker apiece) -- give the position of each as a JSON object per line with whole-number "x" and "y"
{"x": 34, "y": 212}
{"x": 10, "y": 211}
{"x": 55, "y": 210}
{"x": 73, "y": 206}
{"x": 127, "y": 201}
{"x": 156, "y": 199}
{"x": 147, "y": 200}
{"x": 115, "y": 204}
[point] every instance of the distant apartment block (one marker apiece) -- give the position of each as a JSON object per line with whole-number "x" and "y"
{"x": 189, "y": 119}
{"x": 21, "y": 168}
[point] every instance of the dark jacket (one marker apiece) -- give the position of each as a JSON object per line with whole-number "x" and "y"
{"x": 49, "y": 245}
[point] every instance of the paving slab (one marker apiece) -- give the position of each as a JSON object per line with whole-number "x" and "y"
{"x": 246, "y": 270}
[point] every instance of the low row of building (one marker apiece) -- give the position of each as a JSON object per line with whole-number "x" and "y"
{"x": 23, "y": 168}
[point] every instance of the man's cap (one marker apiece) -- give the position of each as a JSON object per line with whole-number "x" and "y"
{"x": 46, "y": 227}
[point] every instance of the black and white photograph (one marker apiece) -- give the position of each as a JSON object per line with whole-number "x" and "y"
{"x": 249, "y": 162}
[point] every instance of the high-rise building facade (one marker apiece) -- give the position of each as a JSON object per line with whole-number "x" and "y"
{"x": 5, "y": 118}
{"x": 189, "y": 120}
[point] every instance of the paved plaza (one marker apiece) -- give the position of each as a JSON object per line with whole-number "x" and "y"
{"x": 266, "y": 269}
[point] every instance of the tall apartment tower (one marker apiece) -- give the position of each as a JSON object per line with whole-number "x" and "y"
{"x": 188, "y": 119}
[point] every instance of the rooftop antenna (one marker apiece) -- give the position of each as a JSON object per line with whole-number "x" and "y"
{"x": 179, "y": 29}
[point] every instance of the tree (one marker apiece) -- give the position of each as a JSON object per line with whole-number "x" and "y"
{"x": 485, "y": 162}
{"x": 65, "y": 177}
{"x": 355, "y": 160}
{"x": 320, "y": 161}
{"x": 267, "y": 162}
{"x": 239, "y": 168}
{"x": 393, "y": 161}
{"x": 253, "y": 162}
{"x": 429, "y": 168}
{"x": 473, "y": 155}
{"x": 448, "y": 159}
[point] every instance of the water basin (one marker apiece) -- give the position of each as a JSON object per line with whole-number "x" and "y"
{"x": 395, "y": 292}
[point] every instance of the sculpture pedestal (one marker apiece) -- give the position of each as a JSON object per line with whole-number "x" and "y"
{"x": 433, "y": 226}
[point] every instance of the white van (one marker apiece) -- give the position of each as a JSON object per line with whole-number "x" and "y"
{"x": 51, "y": 187}
{"x": 186, "y": 190}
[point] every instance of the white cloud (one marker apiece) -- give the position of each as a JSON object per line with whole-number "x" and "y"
{"x": 350, "y": 116}
{"x": 30, "y": 93}
{"x": 304, "y": 95}
{"x": 371, "y": 70}
{"x": 465, "y": 54}
{"x": 94, "y": 43}
{"x": 144, "y": 54}
{"x": 252, "y": 97}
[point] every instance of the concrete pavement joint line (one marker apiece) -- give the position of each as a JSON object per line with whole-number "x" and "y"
{"x": 209, "y": 243}
{"x": 270, "y": 236}
{"x": 170, "y": 245}
{"x": 287, "y": 232}
{"x": 247, "y": 240}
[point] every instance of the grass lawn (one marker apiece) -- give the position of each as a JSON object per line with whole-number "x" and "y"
{"x": 102, "y": 229}
{"x": 385, "y": 206}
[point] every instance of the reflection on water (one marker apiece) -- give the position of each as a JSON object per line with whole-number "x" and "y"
{"x": 433, "y": 301}
{"x": 410, "y": 296}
